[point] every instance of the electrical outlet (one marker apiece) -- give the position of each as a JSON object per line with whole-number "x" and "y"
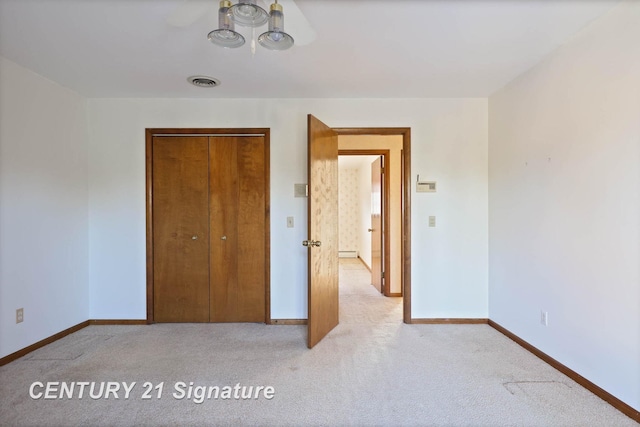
{"x": 20, "y": 315}
{"x": 544, "y": 318}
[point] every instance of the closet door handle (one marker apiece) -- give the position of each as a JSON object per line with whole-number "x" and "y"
{"x": 223, "y": 238}
{"x": 194, "y": 237}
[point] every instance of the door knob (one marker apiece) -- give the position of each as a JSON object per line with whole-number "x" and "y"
{"x": 310, "y": 243}
{"x": 194, "y": 237}
{"x": 223, "y": 238}
{"x": 370, "y": 230}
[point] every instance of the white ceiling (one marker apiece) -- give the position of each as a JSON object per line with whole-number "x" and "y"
{"x": 364, "y": 49}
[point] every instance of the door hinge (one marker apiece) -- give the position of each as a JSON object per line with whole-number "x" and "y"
{"x": 383, "y": 274}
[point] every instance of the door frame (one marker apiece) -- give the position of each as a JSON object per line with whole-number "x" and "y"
{"x": 149, "y": 134}
{"x": 385, "y": 208}
{"x": 405, "y": 273}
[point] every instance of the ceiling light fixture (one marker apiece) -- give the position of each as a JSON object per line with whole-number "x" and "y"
{"x": 276, "y": 38}
{"x": 247, "y": 13}
{"x": 225, "y": 35}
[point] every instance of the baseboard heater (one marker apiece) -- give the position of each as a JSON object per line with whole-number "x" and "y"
{"x": 348, "y": 254}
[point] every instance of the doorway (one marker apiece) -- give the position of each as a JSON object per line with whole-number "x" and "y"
{"x": 322, "y": 205}
{"x": 365, "y": 210}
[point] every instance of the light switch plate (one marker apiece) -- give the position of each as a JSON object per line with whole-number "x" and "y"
{"x": 432, "y": 221}
{"x": 289, "y": 222}
{"x": 300, "y": 190}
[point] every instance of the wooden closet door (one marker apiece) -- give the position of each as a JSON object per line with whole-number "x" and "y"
{"x": 251, "y": 229}
{"x": 223, "y": 187}
{"x": 181, "y": 229}
{"x": 238, "y": 228}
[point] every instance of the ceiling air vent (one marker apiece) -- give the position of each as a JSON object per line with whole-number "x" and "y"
{"x": 203, "y": 81}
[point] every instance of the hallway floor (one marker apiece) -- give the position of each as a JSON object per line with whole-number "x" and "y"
{"x": 360, "y": 302}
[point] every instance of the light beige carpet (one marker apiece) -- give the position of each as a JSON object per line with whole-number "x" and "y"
{"x": 371, "y": 370}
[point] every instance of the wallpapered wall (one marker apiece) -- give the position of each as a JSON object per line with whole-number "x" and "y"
{"x": 349, "y": 210}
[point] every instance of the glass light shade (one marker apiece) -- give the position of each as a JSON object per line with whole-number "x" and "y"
{"x": 276, "y": 38}
{"x": 248, "y": 14}
{"x": 226, "y": 38}
{"x": 225, "y": 35}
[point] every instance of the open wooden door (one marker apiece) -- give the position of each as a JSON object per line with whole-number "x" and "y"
{"x": 377, "y": 275}
{"x": 323, "y": 230}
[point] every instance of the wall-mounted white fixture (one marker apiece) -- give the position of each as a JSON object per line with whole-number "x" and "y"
{"x": 300, "y": 190}
{"x": 544, "y": 318}
{"x": 425, "y": 186}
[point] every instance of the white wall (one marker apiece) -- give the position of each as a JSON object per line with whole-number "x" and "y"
{"x": 565, "y": 204}
{"x": 43, "y": 208}
{"x": 449, "y": 143}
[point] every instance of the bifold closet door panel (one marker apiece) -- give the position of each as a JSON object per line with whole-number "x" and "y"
{"x": 237, "y": 206}
{"x": 223, "y": 187}
{"x": 251, "y": 229}
{"x": 181, "y": 229}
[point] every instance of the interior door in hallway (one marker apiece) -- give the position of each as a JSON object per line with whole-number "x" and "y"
{"x": 323, "y": 230}
{"x": 377, "y": 279}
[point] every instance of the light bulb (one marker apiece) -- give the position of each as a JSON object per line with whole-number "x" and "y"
{"x": 276, "y": 38}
